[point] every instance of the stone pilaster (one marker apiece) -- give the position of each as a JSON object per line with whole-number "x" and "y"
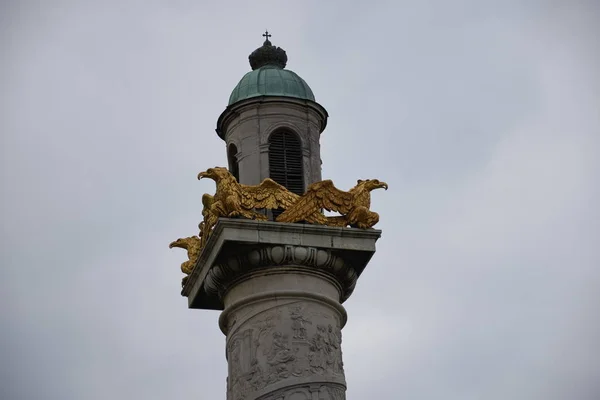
{"x": 280, "y": 289}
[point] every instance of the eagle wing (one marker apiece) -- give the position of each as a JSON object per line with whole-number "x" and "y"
{"x": 319, "y": 195}
{"x": 269, "y": 194}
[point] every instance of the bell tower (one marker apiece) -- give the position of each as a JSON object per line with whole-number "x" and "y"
{"x": 272, "y": 124}
{"x": 266, "y": 256}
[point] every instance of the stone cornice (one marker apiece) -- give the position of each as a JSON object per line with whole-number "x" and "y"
{"x": 239, "y": 246}
{"x": 235, "y": 109}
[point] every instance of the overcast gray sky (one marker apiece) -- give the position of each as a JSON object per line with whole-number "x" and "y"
{"x": 483, "y": 116}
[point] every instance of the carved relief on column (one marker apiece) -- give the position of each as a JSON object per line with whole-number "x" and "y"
{"x": 308, "y": 392}
{"x": 279, "y": 346}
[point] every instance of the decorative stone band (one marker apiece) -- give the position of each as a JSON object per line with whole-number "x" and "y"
{"x": 226, "y": 323}
{"x": 226, "y": 274}
{"x": 309, "y": 392}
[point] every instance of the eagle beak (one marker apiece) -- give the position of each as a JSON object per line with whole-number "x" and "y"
{"x": 202, "y": 174}
{"x": 172, "y": 244}
{"x": 384, "y": 185}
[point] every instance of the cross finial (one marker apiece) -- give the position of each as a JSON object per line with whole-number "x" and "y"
{"x": 266, "y": 35}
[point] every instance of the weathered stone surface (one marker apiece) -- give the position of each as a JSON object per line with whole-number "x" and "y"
{"x": 249, "y": 124}
{"x": 308, "y": 392}
{"x": 280, "y": 287}
{"x": 274, "y": 344}
{"x": 238, "y": 247}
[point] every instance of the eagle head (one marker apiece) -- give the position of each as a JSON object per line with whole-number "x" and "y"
{"x": 178, "y": 243}
{"x": 185, "y": 243}
{"x": 216, "y": 173}
{"x": 371, "y": 184}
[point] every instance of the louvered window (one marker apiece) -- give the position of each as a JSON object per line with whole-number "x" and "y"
{"x": 233, "y": 163}
{"x": 285, "y": 162}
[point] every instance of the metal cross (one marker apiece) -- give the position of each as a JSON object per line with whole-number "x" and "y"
{"x": 266, "y": 35}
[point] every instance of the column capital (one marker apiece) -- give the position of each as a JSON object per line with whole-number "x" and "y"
{"x": 239, "y": 247}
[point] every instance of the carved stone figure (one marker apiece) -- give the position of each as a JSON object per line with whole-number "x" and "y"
{"x": 335, "y": 341}
{"x": 331, "y": 393}
{"x": 319, "y": 350}
{"x": 298, "y": 323}
{"x": 255, "y": 376}
{"x": 279, "y": 358}
{"x": 242, "y": 367}
{"x": 352, "y": 205}
{"x": 235, "y": 365}
{"x": 325, "y": 354}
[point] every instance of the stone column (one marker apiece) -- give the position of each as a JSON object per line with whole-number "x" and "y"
{"x": 283, "y": 326}
{"x": 280, "y": 287}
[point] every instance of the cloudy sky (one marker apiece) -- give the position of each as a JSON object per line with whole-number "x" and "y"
{"x": 483, "y": 116}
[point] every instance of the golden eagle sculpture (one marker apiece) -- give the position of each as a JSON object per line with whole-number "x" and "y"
{"x": 193, "y": 246}
{"x": 352, "y": 205}
{"x": 233, "y": 199}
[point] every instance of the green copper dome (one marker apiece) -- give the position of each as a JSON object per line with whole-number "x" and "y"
{"x": 269, "y": 78}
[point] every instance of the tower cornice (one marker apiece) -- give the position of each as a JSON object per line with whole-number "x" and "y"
{"x": 234, "y": 110}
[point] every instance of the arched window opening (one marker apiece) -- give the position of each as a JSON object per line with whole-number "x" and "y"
{"x": 285, "y": 162}
{"x": 233, "y": 161}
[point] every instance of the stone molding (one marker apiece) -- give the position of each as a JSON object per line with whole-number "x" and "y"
{"x": 234, "y": 110}
{"x": 230, "y": 271}
{"x": 315, "y": 247}
{"x": 297, "y": 125}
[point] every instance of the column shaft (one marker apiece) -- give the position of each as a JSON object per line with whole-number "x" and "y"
{"x": 283, "y": 328}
